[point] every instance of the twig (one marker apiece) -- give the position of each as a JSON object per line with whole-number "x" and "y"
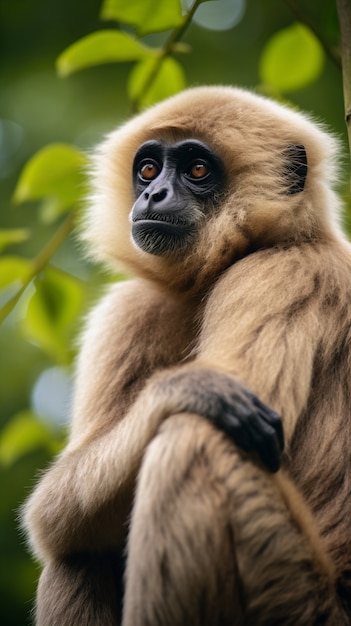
{"x": 165, "y": 51}
{"x": 39, "y": 263}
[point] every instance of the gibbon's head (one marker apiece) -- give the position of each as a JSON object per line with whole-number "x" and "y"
{"x": 193, "y": 184}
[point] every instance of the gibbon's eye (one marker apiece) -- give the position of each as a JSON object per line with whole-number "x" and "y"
{"x": 148, "y": 170}
{"x": 198, "y": 170}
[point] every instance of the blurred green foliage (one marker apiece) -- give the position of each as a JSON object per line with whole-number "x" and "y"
{"x": 145, "y": 50}
{"x": 294, "y": 42}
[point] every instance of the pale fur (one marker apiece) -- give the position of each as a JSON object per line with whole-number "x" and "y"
{"x": 264, "y": 297}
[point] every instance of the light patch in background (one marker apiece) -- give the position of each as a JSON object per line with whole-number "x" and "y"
{"x": 11, "y": 138}
{"x": 218, "y": 14}
{"x": 52, "y": 396}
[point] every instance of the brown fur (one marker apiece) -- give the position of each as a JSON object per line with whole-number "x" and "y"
{"x": 265, "y": 297}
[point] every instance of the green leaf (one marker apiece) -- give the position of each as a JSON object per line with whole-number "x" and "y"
{"x": 104, "y": 46}
{"x": 22, "y": 435}
{"x": 292, "y": 59}
{"x": 14, "y": 269}
{"x": 56, "y": 172}
{"x": 169, "y": 80}
{"x": 13, "y": 235}
{"x": 148, "y": 16}
{"x": 52, "y": 310}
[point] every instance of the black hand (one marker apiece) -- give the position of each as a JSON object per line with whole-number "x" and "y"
{"x": 222, "y": 399}
{"x": 255, "y": 428}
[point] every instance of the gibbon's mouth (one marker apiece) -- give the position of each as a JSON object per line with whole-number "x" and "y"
{"x": 174, "y": 218}
{"x": 160, "y": 235}
{"x": 161, "y": 225}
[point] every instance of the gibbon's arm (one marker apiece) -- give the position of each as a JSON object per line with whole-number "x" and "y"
{"x": 127, "y": 336}
{"x": 266, "y": 334}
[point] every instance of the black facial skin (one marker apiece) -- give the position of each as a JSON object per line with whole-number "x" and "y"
{"x": 175, "y": 186}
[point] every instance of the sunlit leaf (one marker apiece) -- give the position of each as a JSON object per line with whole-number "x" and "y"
{"x": 148, "y": 16}
{"x": 169, "y": 80}
{"x": 104, "y": 46}
{"x": 24, "y": 434}
{"x": 292, "y": 59}
{"x": 52, "y": 310}
{"x": 12, "y": 235}
{"x": 56, "y": 171}
{"x": 14, "y": 269}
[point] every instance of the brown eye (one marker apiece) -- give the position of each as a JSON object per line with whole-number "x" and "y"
{"x": 199, "y": 170}
{"x": 149, "y": 171}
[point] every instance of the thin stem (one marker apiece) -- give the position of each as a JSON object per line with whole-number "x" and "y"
{"x": 305, "y": 19}
{"x": 165, "y": 51}
{"x": 44, "y": 256}
{"x": 344, "y": 14}
{"x": 39, "y": 263}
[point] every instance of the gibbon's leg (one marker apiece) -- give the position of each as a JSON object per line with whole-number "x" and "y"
{"x": 181, "y": 566}
{"x": 216, "y": 540}
{"x": 81, "y": 590}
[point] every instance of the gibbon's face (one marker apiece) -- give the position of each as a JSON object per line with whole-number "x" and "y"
{"x": 190, "y": 186}
{"x": 175, "y": 186}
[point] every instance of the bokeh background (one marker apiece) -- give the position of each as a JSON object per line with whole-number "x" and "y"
{"x": 229, "y": 45}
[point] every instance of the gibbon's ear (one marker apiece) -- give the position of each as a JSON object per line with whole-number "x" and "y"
{"x": 296, "y": 168}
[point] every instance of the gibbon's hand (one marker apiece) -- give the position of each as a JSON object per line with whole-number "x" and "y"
{"x": 253, "y": 426}
{"x": 231, "y": 407}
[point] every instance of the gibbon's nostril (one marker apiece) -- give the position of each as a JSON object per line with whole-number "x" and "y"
{"x": 158, "y": 196}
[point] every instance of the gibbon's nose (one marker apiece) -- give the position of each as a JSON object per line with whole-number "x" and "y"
{"x": 155, "y": 199}
{"x": 157, "y": 196}
{"x": 160, "y": 196}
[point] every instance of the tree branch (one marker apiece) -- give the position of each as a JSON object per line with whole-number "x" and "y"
{"x": 344, "y": 13}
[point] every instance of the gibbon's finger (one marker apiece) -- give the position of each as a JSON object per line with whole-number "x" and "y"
{"x": 235, "y": 429}
{"x": 249, "y": 407}
{"x": 263, "y": 439}
{"x": 266, "y": 444}
{"x": 253, "y": 435}
{"x": 272, "y": 418}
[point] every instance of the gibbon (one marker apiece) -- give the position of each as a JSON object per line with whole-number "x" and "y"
{"x": 207, "y": 476}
